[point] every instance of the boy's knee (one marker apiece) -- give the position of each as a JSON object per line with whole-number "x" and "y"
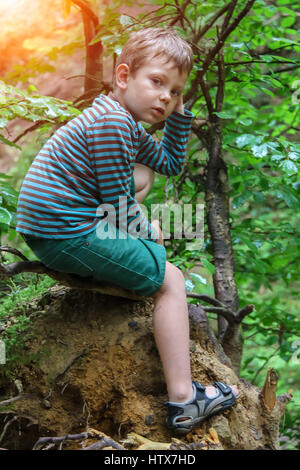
{"x": 143, "y": 179}
{"x": 173, "y": 281}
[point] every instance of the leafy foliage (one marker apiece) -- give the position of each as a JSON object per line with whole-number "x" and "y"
{"x": 8, "y": 203}
{"x": 28, "y": 105}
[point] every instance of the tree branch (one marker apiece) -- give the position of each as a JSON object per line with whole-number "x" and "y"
{"x": 86, "y": 7}
{"x": 78, "y": 282}
{"x": 231, "y": 7}
{"x": 207, "y": 299}
{"x": 13, "y": 251}
{"x": 221, "y": 309}
{"x": 229, "y": 315}
{"x": 104, "y": 442}
{"x": 264, "y": 62}
{"x": 204, "y": 30}
{"x": 9, "y": 401}
{"x": 207, "y": 98}
{"x": 221, "y": 82}
{"x": 224, "y": 35}
{"x": 32, "y": 128}
{"x": 245, "y": 311}
{"x": 67, "y": 279}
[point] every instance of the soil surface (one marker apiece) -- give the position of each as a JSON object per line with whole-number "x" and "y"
{"x": 95, "y": 365}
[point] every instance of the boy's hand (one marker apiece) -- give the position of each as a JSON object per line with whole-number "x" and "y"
{"x": 179, "y": 107}
{"x": 155, "y": 224}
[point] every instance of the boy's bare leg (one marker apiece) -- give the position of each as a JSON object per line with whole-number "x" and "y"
{"x": 171, "y": 332}
{"x": 143, "y": 179}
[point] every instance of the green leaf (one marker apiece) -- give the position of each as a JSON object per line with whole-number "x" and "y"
{"x": 31, "y": 89}
{"x": 3, "y": 122}
{"x": 199, "y": 278}
{"x": 245, "y": 122}
{"x": 289, "y": 167}
{"x": 267, "y": 91}
{"x": 260, "y": 266}
{"x": 277, "y": 157}
{"x": 8, "y": 142}
{"x": 289, "y": 198}
{"x": 189, "y": 183}
{"x": 245, "y": 139}
{"x": 293, "y": 156}
{"x": 239, "y": 200}
{"x": 288, "y": 21}
{"x": 209, "y": 266}
{"x": 237, "y": 45}
{"x": 5, "y": 216}
{"x": 260, "y": 151}
{"x": 248, "y": 242}
{"x": 125, "y": 20}
{"x": 225, "y": 115}
{"x": 10, "y": 196}
{"x": 258, "y": 197}
{"x": 18, "y": 110}
{"x": 189, "y": 285}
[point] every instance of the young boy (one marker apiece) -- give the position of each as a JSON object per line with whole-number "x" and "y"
{"x": 87, "y": 166}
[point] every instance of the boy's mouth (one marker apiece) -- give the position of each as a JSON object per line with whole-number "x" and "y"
{"x": 159, "y": 111}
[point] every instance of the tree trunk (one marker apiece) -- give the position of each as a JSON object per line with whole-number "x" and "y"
{"x": 90, "y": 361}
{"x": 94, "y": 60}
{"x": 217, "y": 209}
{"x": 93, "y": 65}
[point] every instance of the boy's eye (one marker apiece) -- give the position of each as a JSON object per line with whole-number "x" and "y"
{"x": 175, "y": 92}
{"x": 156, "y": 81}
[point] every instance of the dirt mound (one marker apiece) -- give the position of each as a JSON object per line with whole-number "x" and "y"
{"x": 95, "y": 365}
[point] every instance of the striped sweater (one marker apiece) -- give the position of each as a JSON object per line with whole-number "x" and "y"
{"x": 89, "y": 162}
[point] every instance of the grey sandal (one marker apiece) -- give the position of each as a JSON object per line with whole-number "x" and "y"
{"x": 183, "y": 417}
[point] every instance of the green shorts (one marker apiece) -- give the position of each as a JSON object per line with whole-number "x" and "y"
{"x": 136, "y": 264}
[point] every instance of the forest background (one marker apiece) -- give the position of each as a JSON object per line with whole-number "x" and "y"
{"x": 42, "y": 85}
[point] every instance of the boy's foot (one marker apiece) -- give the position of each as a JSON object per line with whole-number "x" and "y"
{"x": 206, "y": 402}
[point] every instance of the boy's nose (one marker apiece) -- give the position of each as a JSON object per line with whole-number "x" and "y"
{"x": 165, "y": 96}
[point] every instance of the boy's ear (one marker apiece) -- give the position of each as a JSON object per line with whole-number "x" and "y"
{"x": 122, "y": 75}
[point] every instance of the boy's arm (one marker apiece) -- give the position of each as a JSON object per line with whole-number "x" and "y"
{"x": 167, "y": 157}
{"x": 180, "y": 107}
{"x": 110, "y": 146}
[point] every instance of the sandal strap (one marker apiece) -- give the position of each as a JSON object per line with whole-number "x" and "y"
{"x": 225, "y": 389}
{"x": 199, "y": 386}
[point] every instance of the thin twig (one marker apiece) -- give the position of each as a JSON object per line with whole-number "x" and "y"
{"x": 207, "y": 298}
{"x": 207, "y": 97}
{"x": 264, "y": 364}
{"x": 224, "y": 35}
{"x": 13, "y": 251}
{"x": 231, "y": 8}
{"x": 18, "y": 397}
{"x": 104, "y": 442}
{"x": 203, "y": 31}
{"x": 6, "y": 427}
{"x": 221, "y": 82}
{"x": 229, "y": 315}
{"x": 32, "y": 128}
{"x": 243, "y": 62}
{"x": 56, "y": 440}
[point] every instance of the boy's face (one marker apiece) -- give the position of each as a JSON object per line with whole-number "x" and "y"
{"x": 152, "y": 93}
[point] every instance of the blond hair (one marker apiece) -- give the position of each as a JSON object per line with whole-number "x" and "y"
{"x": 148, "y": 43}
